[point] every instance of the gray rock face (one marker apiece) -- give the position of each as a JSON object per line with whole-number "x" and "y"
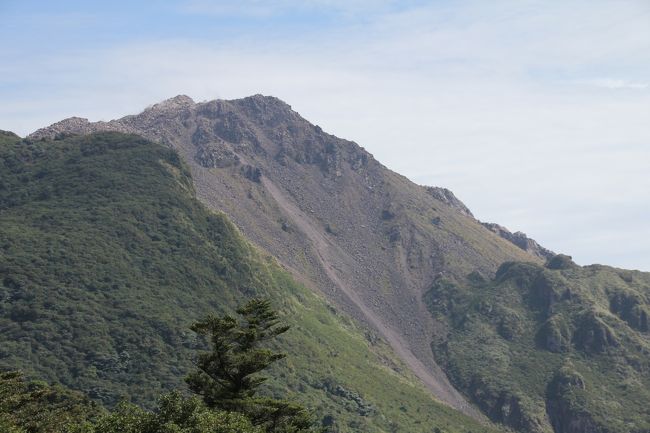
{"x": 518, "y": 238}
{"x": 150, "y": 120}
{"x": 521, "y": 240}
{"x": 215, "y": 154}
{"x": 72, "y": 125}
{"x": 446, "y": 196}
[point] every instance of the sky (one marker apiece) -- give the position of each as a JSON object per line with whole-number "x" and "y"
{"x": 535, "y": 113}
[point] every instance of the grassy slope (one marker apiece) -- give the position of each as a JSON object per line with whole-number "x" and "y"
{"x": 106, "y": 258}
{"x": 571, "y": 341}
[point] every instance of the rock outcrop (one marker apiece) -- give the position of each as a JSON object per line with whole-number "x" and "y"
{"x": 521, "y": 240}
{"x": 449, "y": 198}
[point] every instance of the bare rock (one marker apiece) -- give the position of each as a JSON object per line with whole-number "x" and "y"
{"x": 521, "y": 240}
{"x": 446, "y": 196}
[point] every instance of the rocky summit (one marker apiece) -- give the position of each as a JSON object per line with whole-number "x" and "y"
{"x": 366, "y": 237}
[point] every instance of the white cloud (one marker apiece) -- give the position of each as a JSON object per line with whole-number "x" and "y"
{"x": 611, "y": 83}
{"x": 268, "y": 8}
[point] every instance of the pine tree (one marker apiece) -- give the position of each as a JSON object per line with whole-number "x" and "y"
{"x": 228, "y": 376}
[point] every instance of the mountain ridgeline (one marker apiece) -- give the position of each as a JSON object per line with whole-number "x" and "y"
{"x": 397, "y": 291}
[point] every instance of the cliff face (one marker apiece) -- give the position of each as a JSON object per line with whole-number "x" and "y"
{"x": 367, "y": 238}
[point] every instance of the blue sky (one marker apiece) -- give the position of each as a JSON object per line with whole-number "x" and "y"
{"x": 534, "y": 112}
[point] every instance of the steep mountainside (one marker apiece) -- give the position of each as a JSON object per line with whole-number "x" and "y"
{"x": 106, "y": 257}
{"x": 560, "y": 348}
{"x": 369, "y": 239}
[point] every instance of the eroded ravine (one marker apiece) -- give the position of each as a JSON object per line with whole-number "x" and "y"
{"x": 436, "y": 381}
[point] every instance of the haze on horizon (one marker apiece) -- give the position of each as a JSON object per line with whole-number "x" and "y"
{"x": 534, "y": 113}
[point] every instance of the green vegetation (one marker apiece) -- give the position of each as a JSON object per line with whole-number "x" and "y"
{"x": 228, "y": 376}
{"x": 36, "y": 407}
{"x": 544, "y": 348}
{"x": 175, "y": 414}
{"x": 106, "y": 258}
{"x": 7, "y": 137}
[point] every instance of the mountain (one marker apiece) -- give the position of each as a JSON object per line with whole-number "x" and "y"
{"x": 491, "y": 322}
{"x": 107, "y": 257}
{"x": 368, "y": 239}
{"x": 555, "y": 348}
